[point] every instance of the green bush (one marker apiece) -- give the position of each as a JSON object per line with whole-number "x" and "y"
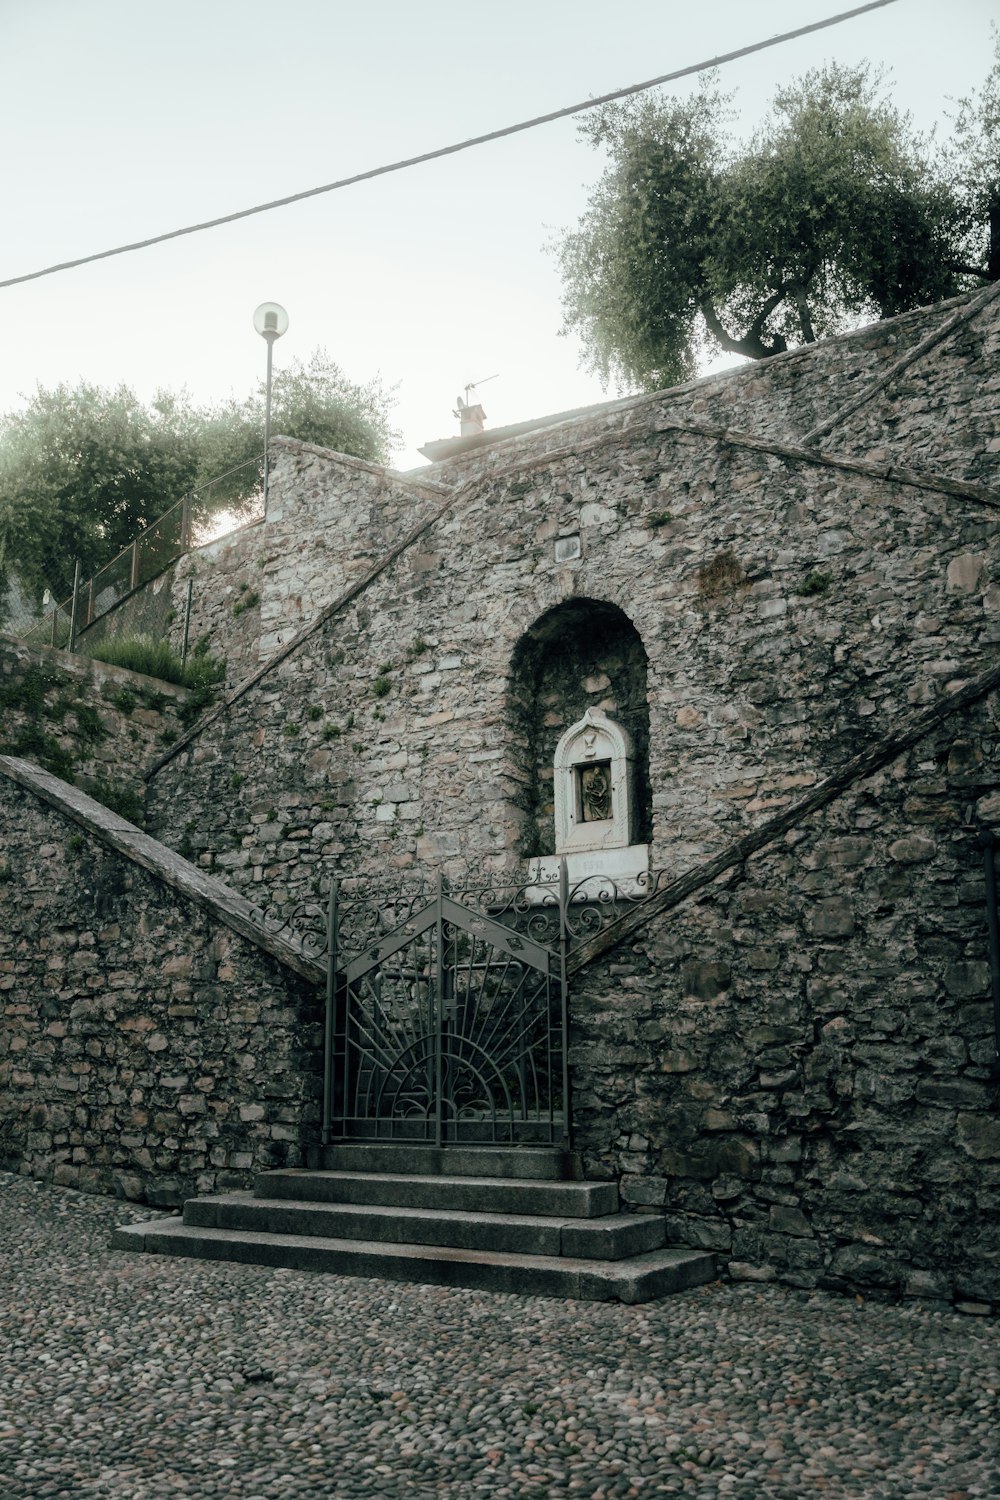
{"x": 812, "y": 584}
{"x": 122, "y": 800}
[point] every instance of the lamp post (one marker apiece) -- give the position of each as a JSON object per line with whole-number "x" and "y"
{"x": 270, "y": 321}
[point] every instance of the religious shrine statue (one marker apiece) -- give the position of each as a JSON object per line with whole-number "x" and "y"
{"x": 594, "y": 799}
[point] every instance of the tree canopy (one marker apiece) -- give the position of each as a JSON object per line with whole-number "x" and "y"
{"x": 82, "y": 469}
{"x": 836, "y": 210}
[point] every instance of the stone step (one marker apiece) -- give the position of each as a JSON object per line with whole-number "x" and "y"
{"x": 401, "y": 1158}
{"x": 638, "y": 1279}
{"x": 612, "y": 1237}
{"x": 560, "y": 1200}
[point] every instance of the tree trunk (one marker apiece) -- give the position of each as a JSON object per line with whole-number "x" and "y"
{"x": 805, "y": 318}
{"x": 751, "y": 344}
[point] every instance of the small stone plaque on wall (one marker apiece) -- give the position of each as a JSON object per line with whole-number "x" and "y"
{"x": 567, "y": 548}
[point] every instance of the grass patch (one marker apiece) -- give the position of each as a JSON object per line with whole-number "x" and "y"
{"x": 723, "y": 575}
{"x": 812, "y": 584}
{"x": 33, "y": 743}
{"x": 202, "y": 674}
{"x": 124, "y": 701}
{"x": 28, "y": 691}
{"x": 89, "y": 723}
{"x": 247, "y": 601}
{"x": 141, "y": 653}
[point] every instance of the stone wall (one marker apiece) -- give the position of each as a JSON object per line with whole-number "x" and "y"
{"x": 939, "y": 411}
{"x": 788, "y": 611}
{"x": 93, "y": 724}
{"x": 800, "y": 1064}
{"x": 796, "y": 1064}
{"x": 329, "y": 518}
{"x": 148, "y": 1047}
{"x": 226, "y": 581}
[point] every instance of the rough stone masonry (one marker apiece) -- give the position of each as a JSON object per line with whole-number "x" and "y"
{"x": 769, "y": 571}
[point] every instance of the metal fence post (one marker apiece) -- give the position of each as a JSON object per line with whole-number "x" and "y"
{"x": 438, "y": 993}
{"x": 332, "y": 931}
{"x": 74, "y": 611}
{"x": 187, "y": 623}
{"x": 133, "y": 581}
{"x": 564, "y": 990}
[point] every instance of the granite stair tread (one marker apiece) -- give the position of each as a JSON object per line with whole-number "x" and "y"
{"x": 610, "y": 1236}
{"x": 414, "y": 1157}
{"x": 429, "y": 1190}
{"x": 635, "y": 1279}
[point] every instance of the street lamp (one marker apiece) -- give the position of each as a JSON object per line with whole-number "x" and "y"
{"x": 270, "y": 321}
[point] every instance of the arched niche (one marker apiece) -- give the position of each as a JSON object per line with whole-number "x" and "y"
{"x": 584, "y": 654}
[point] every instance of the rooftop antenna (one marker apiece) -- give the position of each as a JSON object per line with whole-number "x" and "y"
{"x": 474, "y": 385}
{"x": 471, "y": 416}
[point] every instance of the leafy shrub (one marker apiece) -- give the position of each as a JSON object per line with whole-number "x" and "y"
{"x": 121, "y": 800}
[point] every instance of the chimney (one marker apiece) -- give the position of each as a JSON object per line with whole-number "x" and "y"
{"x": 472, "y": 418}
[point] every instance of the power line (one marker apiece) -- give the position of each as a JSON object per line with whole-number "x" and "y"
{"x": 475, "y": 140}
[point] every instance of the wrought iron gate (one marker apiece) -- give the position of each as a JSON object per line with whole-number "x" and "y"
{"x": 449, "y": 1028}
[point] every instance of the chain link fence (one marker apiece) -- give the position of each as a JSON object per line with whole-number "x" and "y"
{"x": 41, "y": 621}
{"x": 76, "y": 621}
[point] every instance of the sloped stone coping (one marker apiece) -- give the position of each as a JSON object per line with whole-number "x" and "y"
{"x": 907, "y": 733}
{"x": 417, "y": 482}
{"x": 219, "y": 900}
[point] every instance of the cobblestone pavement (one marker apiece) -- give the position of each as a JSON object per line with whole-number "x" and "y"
{"x": 148, "y": 1378}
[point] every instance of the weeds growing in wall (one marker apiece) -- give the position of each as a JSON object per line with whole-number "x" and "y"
{"x": 37, "y": 699}
{"x": 201, "y": 674}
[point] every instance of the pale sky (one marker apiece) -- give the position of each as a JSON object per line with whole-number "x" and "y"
{"x": 125, "y": 118}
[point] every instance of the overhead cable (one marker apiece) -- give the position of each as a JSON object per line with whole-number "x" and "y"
{"x": 475, "y": 140}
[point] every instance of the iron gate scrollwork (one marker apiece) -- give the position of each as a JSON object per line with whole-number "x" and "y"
{"x": 449, "y": 1028}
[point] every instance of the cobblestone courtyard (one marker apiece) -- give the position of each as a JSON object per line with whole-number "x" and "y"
{"x": 143, "y": 1377}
